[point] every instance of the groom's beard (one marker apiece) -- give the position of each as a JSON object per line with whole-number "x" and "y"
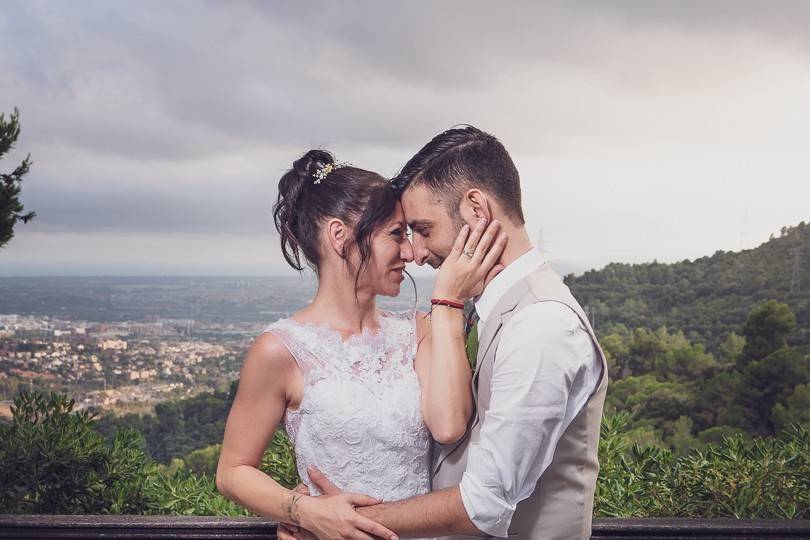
{"x": 435, "y": 261}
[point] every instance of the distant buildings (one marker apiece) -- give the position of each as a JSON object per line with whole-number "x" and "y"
{"x": 113, "y": 344}
{"x": 120, "y": 363}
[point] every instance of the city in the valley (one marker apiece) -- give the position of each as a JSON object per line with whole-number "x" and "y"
{"x": 123, "y": 365}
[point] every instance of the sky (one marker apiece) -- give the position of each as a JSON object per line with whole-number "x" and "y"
{"x": 159, "y": 130}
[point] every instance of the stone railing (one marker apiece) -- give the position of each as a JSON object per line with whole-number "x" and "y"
{"x": 119, "y": 527}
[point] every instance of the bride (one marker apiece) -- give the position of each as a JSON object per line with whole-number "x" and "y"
{"x": 362, "y": 392}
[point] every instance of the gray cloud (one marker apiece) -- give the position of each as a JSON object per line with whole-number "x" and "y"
{"x": 139, "y": 208}
{"x": 177, "y": 80}
{"x": 179, "y": 117}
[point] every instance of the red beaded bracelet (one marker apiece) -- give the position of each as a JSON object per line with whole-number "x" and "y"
{"x": 448, "y": 303}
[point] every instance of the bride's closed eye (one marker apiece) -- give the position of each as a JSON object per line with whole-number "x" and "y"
{"x": 400, "y": 232}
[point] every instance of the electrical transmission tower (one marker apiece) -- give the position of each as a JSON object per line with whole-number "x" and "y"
{"x": 796, "y": 278}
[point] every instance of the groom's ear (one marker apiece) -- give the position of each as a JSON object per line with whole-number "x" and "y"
{"x": 337, "y": 233}
{"x": 474, "y": 206}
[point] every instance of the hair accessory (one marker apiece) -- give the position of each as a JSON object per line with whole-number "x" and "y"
{"x": 324, "y": 171}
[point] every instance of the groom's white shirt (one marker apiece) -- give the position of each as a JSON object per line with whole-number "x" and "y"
{"x": 544, "y": 373}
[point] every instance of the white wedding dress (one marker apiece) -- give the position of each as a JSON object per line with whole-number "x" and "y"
{"x": 360, "y": 419}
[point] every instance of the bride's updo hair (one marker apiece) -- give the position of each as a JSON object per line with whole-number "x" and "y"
{"x": 317, "y": 189}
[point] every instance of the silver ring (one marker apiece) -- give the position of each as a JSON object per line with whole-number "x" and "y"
{"x": 469, "y": 253}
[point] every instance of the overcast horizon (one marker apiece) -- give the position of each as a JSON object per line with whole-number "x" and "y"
{"x": 641, "y": 130}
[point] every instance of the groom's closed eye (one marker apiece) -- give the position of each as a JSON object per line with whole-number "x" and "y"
{"x": 421, "y": 230}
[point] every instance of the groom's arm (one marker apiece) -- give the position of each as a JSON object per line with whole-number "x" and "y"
{"x": 438, "y": 513}
{"x": 543, "y": 372}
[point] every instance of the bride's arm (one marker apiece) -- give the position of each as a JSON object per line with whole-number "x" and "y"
{"x": 261, "y": 399}
{"x": 444, "y": 373}
{"x": 260, "y": 402}
{"x": 441, "y": 358}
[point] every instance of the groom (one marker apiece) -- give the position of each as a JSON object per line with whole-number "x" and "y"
{"x": 527, "y": 465}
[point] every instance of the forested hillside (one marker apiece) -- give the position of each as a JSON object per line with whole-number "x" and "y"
{"x": 707, "y": 298}
{"x": 703, "y": 349}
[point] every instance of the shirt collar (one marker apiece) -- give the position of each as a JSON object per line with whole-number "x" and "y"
{"x": 517, "y": 270}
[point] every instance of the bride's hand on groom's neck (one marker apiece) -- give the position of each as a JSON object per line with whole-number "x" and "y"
{"x": 497, "y": 269}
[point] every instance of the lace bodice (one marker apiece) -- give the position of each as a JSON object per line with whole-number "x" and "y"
{"x": 360, "y": 419}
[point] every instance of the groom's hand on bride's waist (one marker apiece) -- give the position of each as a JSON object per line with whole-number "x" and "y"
{"x": 320, "y": 480}
{"x": 351, "y": 525}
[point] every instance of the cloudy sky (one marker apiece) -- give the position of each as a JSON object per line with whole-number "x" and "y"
{"x": 642, "y": 130}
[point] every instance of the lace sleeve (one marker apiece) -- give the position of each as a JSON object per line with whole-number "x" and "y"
{"x": 309, "y": 364}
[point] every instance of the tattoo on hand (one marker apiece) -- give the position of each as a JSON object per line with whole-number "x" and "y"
{"x": 291, "y": 507}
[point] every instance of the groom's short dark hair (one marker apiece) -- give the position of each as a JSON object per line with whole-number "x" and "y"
{"x": 462, "y": 158}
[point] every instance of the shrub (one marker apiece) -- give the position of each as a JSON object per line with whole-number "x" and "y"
{"x": 52, "y": 461}
{"x": 737, "y": 478}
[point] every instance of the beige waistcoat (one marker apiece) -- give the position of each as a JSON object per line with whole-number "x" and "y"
{"x": 561, "y": 505}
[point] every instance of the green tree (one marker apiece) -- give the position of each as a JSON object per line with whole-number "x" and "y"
{"x": 796, "y": 409}
{"x": 682, "y": 441}
{"x": 715, "y": 435}
{"x": 203, "y": 460}
{"x": 177, "y": 427}
{"x": 768, "y": 382}
{"x": 645, "y": 347}
{"x": 684, "y": 361}
{"x": 731, "y": 349}
{"x": 766, "y": 330}
{"x": 616, "y": 352}
{"x": 645, "y": 397}
{"x": 11, "y": 209}
{"x": 715, "y": 397}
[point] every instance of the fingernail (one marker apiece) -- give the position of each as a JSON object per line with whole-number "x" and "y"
{"x": 395, "y": 537}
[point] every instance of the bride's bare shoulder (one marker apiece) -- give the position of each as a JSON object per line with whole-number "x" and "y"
{"x": 268, "y": 356}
